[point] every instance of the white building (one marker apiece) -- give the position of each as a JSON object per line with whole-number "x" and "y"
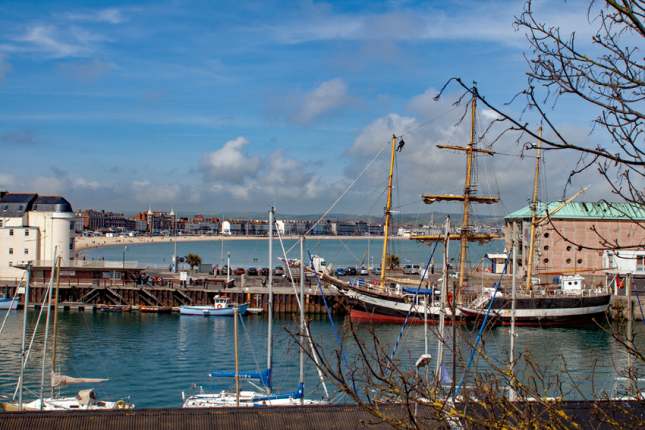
{"x": 31, "y": 227}
{"x": 625, "y": 261}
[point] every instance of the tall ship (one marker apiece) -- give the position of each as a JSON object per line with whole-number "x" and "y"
{"x": 383, "y": 300}
{"x": 565, "y": 301}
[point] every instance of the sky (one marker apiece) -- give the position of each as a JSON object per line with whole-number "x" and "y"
{"x": 233, "y": 106}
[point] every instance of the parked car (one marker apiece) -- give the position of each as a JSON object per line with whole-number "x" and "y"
{"x": 363, "y": 271}
{"x": 239, "y": 271}
{"x": 411, "y": 269}
{"x": 252, "y": 271}
{"x": 376, "y": 270}
{"x": 278, "y": 271}
{"x": 340, "y": 271}
{"x": 264, "y": 271}
{"x": 351, "y": 271}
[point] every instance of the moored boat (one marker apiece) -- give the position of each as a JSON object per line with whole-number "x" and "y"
{"x": 222, "y": 306}
{"x": 8, "y": 303}
{"x": 155, "y": 309}
{"x": 568, "y": 304}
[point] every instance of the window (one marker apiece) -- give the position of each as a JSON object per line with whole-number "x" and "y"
{"x": 10, "y": 251}
{"x": 26, "y": 251}
{"x": 71, "y": 226}
{"x": 26, "y": 232}
{"x": 10, "y": 263}
{"x": 568, "y": 261}
{"x": 568, "y": 247}
{"x": 579, "y": 261}
{"x": 546, "y": 247}
{"x": 546, "y": 235}
{"x": 579, "y": 248}
{"x": 640, "y": 263}
{"x": 546, "y": 260}
{"x": 0, "y": 223}
{"x": 10, "y": 232}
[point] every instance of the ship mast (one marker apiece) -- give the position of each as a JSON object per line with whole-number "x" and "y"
{"x": 468, "y": 197}
{"x": 388, "y": 214}
{"x": 534, "y": 221}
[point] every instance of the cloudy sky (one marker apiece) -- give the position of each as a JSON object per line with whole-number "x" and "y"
{"x": 234, "y": 106}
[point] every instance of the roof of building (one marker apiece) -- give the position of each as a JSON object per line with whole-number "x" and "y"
{"x": 592, "y": 414}
{"x": 16, "y": 204}
{"x": 585, "y": 210}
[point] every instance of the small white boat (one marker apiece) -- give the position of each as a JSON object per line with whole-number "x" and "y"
{"x": 8, "y": 302}
{"x": 84, "y": 400}
{"x": 248, "y": 399}
{"x": 222, "y": 306}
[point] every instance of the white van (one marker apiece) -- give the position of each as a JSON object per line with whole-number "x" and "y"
{"x": 411, "y": 269}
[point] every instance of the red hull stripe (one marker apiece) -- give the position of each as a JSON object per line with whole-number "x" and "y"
{"x": 364, "y": 317}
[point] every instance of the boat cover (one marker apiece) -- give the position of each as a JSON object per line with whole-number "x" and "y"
{"x": 264, "y": 376}
{"x": 418, "y": 291}
{"x": 58, "y": 380}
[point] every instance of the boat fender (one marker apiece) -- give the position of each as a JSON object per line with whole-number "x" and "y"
{"x": 619, "y": 282}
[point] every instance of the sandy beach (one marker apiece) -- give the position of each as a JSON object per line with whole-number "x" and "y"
{"x": 81, "y": 243}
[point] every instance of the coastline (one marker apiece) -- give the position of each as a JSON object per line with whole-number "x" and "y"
{"x": 82, "y": 243}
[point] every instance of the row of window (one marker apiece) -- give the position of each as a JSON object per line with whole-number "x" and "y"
{"x": 11, "y": 231}
{"x": 11, "y": 251}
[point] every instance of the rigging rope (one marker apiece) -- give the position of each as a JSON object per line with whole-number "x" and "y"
{"x": 13, "y": 299}
{"x": 407, "y": 316}
{"x": 301, "y": 307}
{"x": 498, "y": 285}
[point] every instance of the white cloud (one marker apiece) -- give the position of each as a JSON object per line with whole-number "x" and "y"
{"x": 5, "y": 67}
{"x": 57, "y": 43}
{"x": 7, "y": 181}
{"x": 230, "y": 163}
{"x": 321, "y": 100}
{"x": 110, "y": 16}
{"x": 146, "y": 192}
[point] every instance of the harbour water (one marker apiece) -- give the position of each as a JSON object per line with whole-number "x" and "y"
{"x": 246, "y": 253}
{"x": 151, "y": 358}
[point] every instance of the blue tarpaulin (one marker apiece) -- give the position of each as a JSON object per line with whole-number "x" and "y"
{"x": 420, "y": 291}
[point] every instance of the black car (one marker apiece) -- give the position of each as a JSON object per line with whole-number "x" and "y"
{"x": 351, "y": 271}
{"x": 252, "y": 271}
{"x": 264, "y": 271}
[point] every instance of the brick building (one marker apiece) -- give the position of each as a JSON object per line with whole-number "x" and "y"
{"x": 104, "y": 220}
{"x": 585, "y": 225}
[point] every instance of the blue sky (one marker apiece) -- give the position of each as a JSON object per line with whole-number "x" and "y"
{"x": 233, "y": 106}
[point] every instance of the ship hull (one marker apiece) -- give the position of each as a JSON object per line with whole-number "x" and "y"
{"x": 544, "y": 311}
{"x": 371, "y": 306}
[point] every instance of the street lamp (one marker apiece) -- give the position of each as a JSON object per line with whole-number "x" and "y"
{"x": 125, "y": 248}
{"x": 228, "y": 267}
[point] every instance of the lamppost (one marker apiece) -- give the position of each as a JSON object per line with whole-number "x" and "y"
{"x": 125, "y": 248}
{"x": 228, "y": 267}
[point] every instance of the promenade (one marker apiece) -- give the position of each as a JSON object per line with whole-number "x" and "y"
{"x": 81, "y": 243}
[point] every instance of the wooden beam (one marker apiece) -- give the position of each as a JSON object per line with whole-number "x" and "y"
{"x": 465, "y": 148}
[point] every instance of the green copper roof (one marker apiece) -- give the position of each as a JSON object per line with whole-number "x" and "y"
{"x": 582, "y": 210}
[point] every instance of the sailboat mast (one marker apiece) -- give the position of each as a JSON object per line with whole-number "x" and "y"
{"x": 536, "y": 181}
{"x": 513, "y": 304}
{"x": 442, "y": 306}
{"x": 388, "y": 215}
{"x": 237, "y": 362}
{"x": 302, "y": 315}
{"x": 465, "y": 228}
{"x": 24, "y": 336}
{"x": 270, "y": 304}
{"x": 55, "y": 328}
{"x": 49, "y": 307}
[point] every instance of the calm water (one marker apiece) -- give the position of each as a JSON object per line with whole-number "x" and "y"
{"x": 247, "y": 253}
{"x": 152, "y": 358}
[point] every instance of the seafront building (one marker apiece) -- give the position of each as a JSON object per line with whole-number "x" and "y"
{"x": 31, "y": 228}
{"x": 579, "y": 236}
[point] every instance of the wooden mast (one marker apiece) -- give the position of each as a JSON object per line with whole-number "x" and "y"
{"x": 468, "y": 197}
{"x": 534, "y": 202}
{"x": 465, "y": 226}
{"x": 388, "y": 215}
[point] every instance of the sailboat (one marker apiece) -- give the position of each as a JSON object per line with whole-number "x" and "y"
{"x": 567, "y": 303}
{"x": 84, "y": 399}
{"x": 391, "y": 303}
{"x": 264, "y": 396}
